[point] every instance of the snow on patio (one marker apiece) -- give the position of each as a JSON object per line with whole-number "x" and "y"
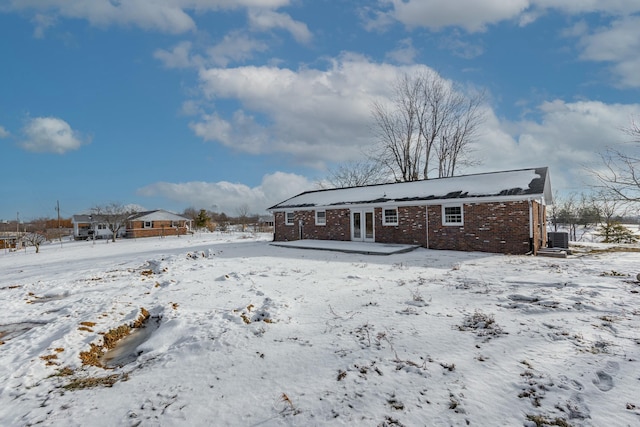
{"x": 253, "y": 334}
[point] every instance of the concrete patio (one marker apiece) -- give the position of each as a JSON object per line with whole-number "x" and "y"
{"x": 348, "y": 246}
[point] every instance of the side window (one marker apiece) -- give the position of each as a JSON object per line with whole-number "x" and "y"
{"x": 390, "y": 216}
{"x": 147, "y": 224}
{"x": 321, "y": 217}
{"x": 289, "y": 217}
{"x": 452, "y": 215}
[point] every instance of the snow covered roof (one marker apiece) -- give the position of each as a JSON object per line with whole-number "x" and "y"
{"x": 157, "y": 215}
{"x": 516, "y": 184}
{"x": 81, "y": 218}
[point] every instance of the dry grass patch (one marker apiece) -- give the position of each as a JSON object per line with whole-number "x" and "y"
{"x": 90, "y": 382}
{"x": 542, "y": 421}
{"x": 64, "y": 372}
{"x": 50, "y": 359}
{"x": 92, "y": 356}
{"x": 142, "y": 319}
{"x": 86, "y": 326}
{"x": 612, "y": 249}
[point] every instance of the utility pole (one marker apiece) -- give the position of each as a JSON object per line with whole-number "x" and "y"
{"x": 17, "y": 228}
{"x": 59, "y": 229}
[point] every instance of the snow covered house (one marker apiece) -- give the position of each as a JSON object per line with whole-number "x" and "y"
{"x": 502, "y": 212}
{"x": 85, "y": 226}
{"x": 157, "y": 223}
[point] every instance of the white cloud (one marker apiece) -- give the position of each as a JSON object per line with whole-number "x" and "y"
{"x": 170, "y": 16}
{"x": 476, "y": 15}
{"x": 323, "y": 116}
{"x": 179, "y": 56}
{"x": 227, "y": 197}
{"x": 313, "y": 115}
{"x": 619, "y": 43}
{"x": 42, "y": 23}
{"x": 234, "y": 47}
{"x": 213, "y": 128}
{"x": 455, "y": 44}
{"x": 405, "y": 53}
{"x": 567, "y": 137}
{"x": 265, "y": 20}
{"x": 472, "y": 15}
{"x": 3, "y": 132}
{"x": 609, "y": 7}
{"x": 50, "y": 134}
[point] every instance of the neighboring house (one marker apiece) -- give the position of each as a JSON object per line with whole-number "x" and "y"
{"x": 502, "y": 212}
{"x": 157, "y": 223}
{"x": 265, "y": 223}
{"x": 8, "y": 241}
{"x": 84, "y": 227}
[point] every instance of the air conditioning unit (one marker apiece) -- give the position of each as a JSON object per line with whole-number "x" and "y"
{"x": 558, "y": 239}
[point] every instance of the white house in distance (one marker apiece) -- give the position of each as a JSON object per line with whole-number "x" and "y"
{"x": 84, "y": 227}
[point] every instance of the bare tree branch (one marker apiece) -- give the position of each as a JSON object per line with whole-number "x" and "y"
{"x": 621, "y": 175}
{"x": 114, "y": 215}
{"x": 428, "y": 120}
{"x": 356, "y": 174}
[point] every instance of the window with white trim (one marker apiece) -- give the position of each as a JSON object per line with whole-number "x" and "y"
{"x": 147, "y": 224}
{"x": 452, "y": 215}
{"x": 321, "y": 217}
{"x": 390, "y": 216}
{"x": 288, "y": 218}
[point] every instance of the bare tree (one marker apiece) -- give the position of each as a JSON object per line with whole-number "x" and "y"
{"x": 191, "y": 213}
{"x": 611, "y": 210}
{"x": 621, "y": 174}
{"x": 453, "y": 147}
{"x": 114, "y": 215}
{"x": 565, "y": 212}
{"x": 401, "y": 145}
{"x": 243, "y": 215}
{"x": 355, "y": 174}
{"x": 428, "y": 120}
{"x": 34, "y": 239}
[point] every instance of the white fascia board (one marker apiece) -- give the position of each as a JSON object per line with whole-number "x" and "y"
{"x": 452, "y": 201}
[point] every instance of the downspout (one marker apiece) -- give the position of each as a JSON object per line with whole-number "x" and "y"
{"x": 542, "y": 209}
{"x": 427, "y": 217}
{"x": 531, "y": 246}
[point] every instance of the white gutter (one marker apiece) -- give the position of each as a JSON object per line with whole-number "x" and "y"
{"x": 393, "y": 203}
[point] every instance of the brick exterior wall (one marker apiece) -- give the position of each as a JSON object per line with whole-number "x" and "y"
{"x": 411, "y": 228}
{"x": 136, "y": 229}
{"x": 488, "y": 227}
{"x": 337, "y": 226}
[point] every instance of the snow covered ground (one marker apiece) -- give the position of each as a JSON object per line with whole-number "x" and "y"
{"x": 243, "y": 333}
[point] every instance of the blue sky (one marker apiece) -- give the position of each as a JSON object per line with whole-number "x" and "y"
{"x": 221, "y": 103}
